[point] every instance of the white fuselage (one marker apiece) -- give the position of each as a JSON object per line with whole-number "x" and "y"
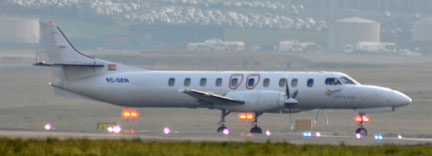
{"x": 163, "y": 89}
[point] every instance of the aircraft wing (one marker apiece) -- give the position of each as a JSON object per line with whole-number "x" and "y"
{"x": 211, "y": 98}
{"x": 72, "y": 65}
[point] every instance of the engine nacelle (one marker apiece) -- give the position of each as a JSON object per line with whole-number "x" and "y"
{"x": 257, "y": 101}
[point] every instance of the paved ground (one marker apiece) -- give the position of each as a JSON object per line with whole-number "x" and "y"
{"x": 27, "y": 102}
{"x": 291, "y": 137}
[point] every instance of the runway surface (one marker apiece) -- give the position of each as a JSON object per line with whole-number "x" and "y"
{"x": 289, "y": 137}
{"x": 28, "y": 103}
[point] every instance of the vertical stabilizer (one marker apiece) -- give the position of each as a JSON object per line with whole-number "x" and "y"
{"x": 57, "y": 50}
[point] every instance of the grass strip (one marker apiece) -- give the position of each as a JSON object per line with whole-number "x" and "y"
{"x": 178, "y": 148}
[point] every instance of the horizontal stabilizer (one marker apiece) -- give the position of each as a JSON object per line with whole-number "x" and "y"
{"x": 211, "y": 98}
{"x": 62, "y": 65}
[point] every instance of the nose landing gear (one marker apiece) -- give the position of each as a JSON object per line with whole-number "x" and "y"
{"x": 362, "y": 118}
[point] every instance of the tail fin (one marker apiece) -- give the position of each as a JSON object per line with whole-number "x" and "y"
{"x": 58, "y": 51}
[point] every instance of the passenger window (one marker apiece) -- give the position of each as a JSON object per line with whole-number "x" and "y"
{"x": 294, "y": 82}
{"x": 251, "y": 82}
{"x": 218, "y": 82}
{"x": 282, "y": 82}
{"x": 332, "y": 81}
{"x": 187, "y": 82}
{"x": 234, "y": 82}
{"x": 171, "y": 82}
{"x": 310, "y": 83}
{"x": 266, "y": 82}
{"x": 203, "y": 82}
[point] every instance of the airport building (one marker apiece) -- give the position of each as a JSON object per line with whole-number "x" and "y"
{"x": 156, "y": 37}
{"x": 14, "y": 31}
{"x": 422, "y": 35}
{"x": 350, "y": 31}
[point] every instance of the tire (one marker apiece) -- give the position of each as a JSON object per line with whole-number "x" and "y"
{"x": 362, "y": 131}
{"x": 256, "y": 130}
{"x": 220, "y": 129}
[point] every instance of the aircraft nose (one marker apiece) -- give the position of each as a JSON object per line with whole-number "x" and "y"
{"x": 401, "y": 99}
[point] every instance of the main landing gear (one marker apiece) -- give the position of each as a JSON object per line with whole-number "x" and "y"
{"x": 222, "y": 121}
{"x": 256, "y": 129}
{"x": 362, "y": 118}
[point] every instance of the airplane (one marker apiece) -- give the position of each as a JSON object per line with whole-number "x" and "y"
{"x": 81, "y": 76}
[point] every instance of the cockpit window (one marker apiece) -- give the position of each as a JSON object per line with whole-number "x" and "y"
{"x": 332, "y": 81}
{"x": 348, "y": 80}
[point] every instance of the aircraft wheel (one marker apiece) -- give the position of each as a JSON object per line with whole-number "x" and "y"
{"x": 256, "y": 130}
{"x": 362, "y": 131}
{"x": 220, "y": 129}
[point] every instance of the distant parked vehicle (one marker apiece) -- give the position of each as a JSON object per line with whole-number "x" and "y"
{"x": 216, "y": 45}
{"x": 295, "y": 46}
{"x": 371, "y": 47}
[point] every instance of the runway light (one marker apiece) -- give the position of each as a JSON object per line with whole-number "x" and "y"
{"x": 242, "y": 116}
{"x": 249, "y": 134}
{"x": 399, "y": 136}
{"x": 126, "y": 131}
{"x": 307, "y": 134}
{"x": 268, "y": 133}
{"x": 166, "y": 131}
{"x": 317, "y": 134}
{"x": 378, "y": 137}
{"x": 51, "y": 21}
{"x": 48, "y": 127}
{"x": 116, "y": 129}
{"x": 132, "y": 131}
{"x": 226, "y": 131}
{"x": 358, "y": 135}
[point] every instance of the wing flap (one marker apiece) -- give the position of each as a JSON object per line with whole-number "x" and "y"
{"x": 211, "y": 98}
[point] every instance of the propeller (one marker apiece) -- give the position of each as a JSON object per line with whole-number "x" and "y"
{"x": 290, "y": 100}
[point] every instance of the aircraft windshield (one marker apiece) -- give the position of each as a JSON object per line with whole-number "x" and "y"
{"x": 348, "y": 80}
